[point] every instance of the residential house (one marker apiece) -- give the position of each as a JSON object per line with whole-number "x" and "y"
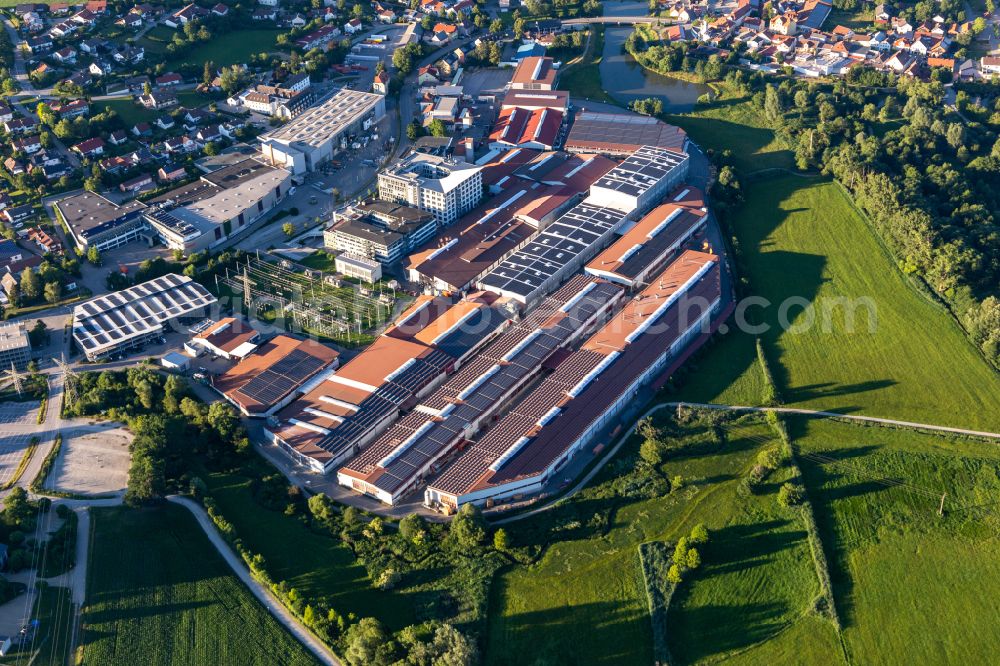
{"x": 208, "y": 134}
{"x": 71, "y": 109}
{"x": 180, "y": 144}
{"x": 168, "y": 80}
{"x": 15, "y": 214}
{"x": 99, "y": 68}
{"x": 170, "y": 172}
{"x": 220, "y": 9}
{"x": 381, "y": 83}
{"x": 264, "y": 14}
{"x": 84, "y": 17}
{"x": 785, "y": 24}
{"x": 142, "y": 129}
{"x": 63, "y": 30}
{"x": 44, "y": 241}
{"x": 127, "y": 53}
{"x": 318, "y": 37}
{"x": 6, "y": 113}
{"x": 118, "y": 137}
{"x": 990, "y": 65}
{"x": 130, "y": 20}
{"x": 36, "y": 45}
{"x": 353, "y": 26}
{"x": 28, "y": 145}
{"x": 90, "y": 46}
{"x": 164, "y": 122}
{"x": 14, "y": 167}
{"x": 901, "y": 26}
{"x": 185, "y": 15}
{"x": 90, "y": 147}
{"x": 20, "y": 125}
{"x": 158, "y": 99}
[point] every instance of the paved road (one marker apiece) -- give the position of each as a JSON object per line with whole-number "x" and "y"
{"x": 850, "y": 417}
{"x": 283, "y": 615}
{"x": 618, "y": 20}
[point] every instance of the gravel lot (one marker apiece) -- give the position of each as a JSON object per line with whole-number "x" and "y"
{"x": 92, "y": 463}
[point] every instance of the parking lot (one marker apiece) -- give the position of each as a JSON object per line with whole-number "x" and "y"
{"x": 352, "y": 168}
{"x": 12, "y": 448}
{"x": 20, "y": 413}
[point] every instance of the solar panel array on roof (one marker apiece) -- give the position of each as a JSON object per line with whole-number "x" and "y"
{"x": 597, "y": 380}
{"x": 482, "y": 386}
{"x": 385, "y": 400}
{"x": 637, "y": 253}
{"x": 571, "y": 238}
{"x": 641, "y": 171}
{"x": 280, "y": 379}
{"x": 108, "y": 322}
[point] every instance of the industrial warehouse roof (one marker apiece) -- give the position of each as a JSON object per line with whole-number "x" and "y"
{"x": 538, "y": 430}
{"x": 535, "y": 71}
{"x": 230, "y": 335}
{"x": 317, "y": 125}
{"x": 530, "y": 99}
{"x": 621, "y": 133}
{"x": 644, "y": 247}
{"x": 330, "y": 420}
{"x": 641, "y": 170}
{"x": 517, "y": 126}
{"x": 89, "y": 212}
{"x": 115, "y": 318}
{"x": 234, "y": 174}
{"x": 278, "y": 368}
{"x": 570, "y": 237}
{"x": 239, "y": 195}
{"x": 485, "y": 236}
{"x": 404, "y": 451}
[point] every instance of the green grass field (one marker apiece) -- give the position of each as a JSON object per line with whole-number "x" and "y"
{"x": 315, "y": 564}
{"x": 733, "y": 123}
{"x": 583, "y": 601}
{"x": 583, "y": 79}
{"x": 320, "y": 261}
{"x": 156, "y": 40}
{"x": 859, "y": 20}
{"x": 233, "y": 47}
{"x": 898, "y": 568}
{"x": 130, "y": 112}
{"x": 158, "y": 592}
{"x": 803, "y": 240}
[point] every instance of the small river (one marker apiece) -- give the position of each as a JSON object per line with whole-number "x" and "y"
{"x": 625, "y": 79}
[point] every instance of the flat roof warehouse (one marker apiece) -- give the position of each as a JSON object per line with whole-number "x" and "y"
{"x": 124, "y": 319}
{"x": 330, "y": 118}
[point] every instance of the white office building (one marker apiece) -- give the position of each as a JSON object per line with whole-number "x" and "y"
{"x": 442, "y": 187}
